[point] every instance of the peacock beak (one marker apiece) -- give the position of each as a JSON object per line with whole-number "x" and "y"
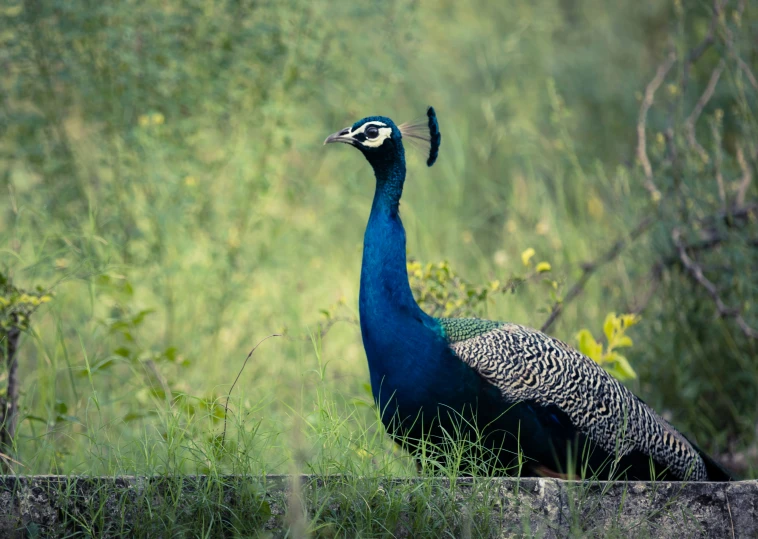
{"x": 340, "y": 136}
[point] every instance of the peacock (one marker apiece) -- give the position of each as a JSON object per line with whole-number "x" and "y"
{"x": 513, "y": 398}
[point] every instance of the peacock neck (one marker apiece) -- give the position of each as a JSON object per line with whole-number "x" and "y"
{"x": 390, "y": 178}
{"x": 385, "y": 292}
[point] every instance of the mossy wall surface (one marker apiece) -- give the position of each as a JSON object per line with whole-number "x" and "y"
{"x": 56, "y": 506}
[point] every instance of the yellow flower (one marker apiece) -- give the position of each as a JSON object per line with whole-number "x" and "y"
{"x": 158, "y": 118}
{"x": 143, "y": 120}
{"x": 543, "y": 267}
{"x": 190, "y": 181}
{"x": 527, "y": 255}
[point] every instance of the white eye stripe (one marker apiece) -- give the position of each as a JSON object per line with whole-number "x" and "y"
{"x": 384, "y": 134}
{"x": 362, "y": 128}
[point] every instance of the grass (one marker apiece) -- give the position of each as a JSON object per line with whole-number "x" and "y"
{"x": 165, "y": 179}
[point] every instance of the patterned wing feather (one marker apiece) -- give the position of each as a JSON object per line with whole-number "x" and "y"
{"x": 529, "y": 366}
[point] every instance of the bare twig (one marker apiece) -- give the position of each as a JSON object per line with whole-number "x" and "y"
{"x": 729, "y": 508}
{"x": 747, "y": 177}
{"x": 729, "y": 216}
{"x": 697, "y": 274}
{"x": 9, "y": 459}
{"x": 696, "y": 52}
{"x": 689, "y": 124}
{"x": 717, "y": 160}
{"x": 729, "y": 40}
{"x": 228, "y": 396}
{"x": 748, "y": 73}
{"x": 647, "y": 102}
{"x": 323, "y": 330}
{"x": 653, "y": 277}
{"x": 590, "y": 268}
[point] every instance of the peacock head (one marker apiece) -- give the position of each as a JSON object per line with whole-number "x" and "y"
{"x": 380, "y": 140}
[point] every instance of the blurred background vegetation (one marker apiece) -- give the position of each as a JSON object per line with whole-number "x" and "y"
{"x": 163, "y": 179}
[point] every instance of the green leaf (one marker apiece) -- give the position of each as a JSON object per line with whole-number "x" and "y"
{"x": 628, "y": 320}
{"x": 170, "y": 353}
{"x": 134, "y": 416}
{"x": 620, "y": 367}
{"x": 608, "y": 326}
{"x": 67, "y": 419}
{"x": 264, "y": 511}
{"x": 589, "y": 346}
{"x": 60, "y": 407}
{"x": 122, "y": 351}
{"x": 140, "y": 316}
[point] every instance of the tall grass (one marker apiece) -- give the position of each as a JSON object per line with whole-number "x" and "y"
{"x": 164, "y": 175}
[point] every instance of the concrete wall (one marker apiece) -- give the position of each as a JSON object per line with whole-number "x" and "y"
{"x": 53, "y": 506}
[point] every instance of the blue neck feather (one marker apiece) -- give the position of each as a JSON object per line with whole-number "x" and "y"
{"x": 384, "y": 279}
{"x": 403, "y": 344}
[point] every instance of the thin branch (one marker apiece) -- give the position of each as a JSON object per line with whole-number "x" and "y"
{"x": 654, "y": 276}
{"x": 228, "y": 396}
{"x": 747, "y": 177}
{"x": 696, "y": 52}
{"x": 729, "y": 40}
{"x": 729, "y": 509}
{"x": 697, "y": 274}
{"x": 647, "y": 102}
{"x": 323, "y": 330}
{"x": 717, "y": 160}
{"x": 748, "y": 73}
{"x": 730, "y": 216}
{"x": 590, "y": 268}
{"x": 689, "y": 124}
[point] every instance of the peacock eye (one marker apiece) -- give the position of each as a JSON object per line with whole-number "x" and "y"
{"x": 372, "y": 131}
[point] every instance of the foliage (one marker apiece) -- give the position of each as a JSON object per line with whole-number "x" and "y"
{"x": 176, "y": 146}
{"x": 442, "y": 292}
{"x": 16, "y": 305}
{"x": 614, "y": 329}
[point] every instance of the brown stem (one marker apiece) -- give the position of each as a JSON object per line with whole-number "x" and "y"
{"x": 647, "y": 102}
{"x": 696, "y": 272}
{"x": 590, "y": 268}
{"x": 10, "y": 414}
{"x": 229, "y": 395}
{"x": 689, "y": 124}
{"x": 747, "y": 177}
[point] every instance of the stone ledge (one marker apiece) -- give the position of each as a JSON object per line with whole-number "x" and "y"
{"x": 51, "y": 506}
